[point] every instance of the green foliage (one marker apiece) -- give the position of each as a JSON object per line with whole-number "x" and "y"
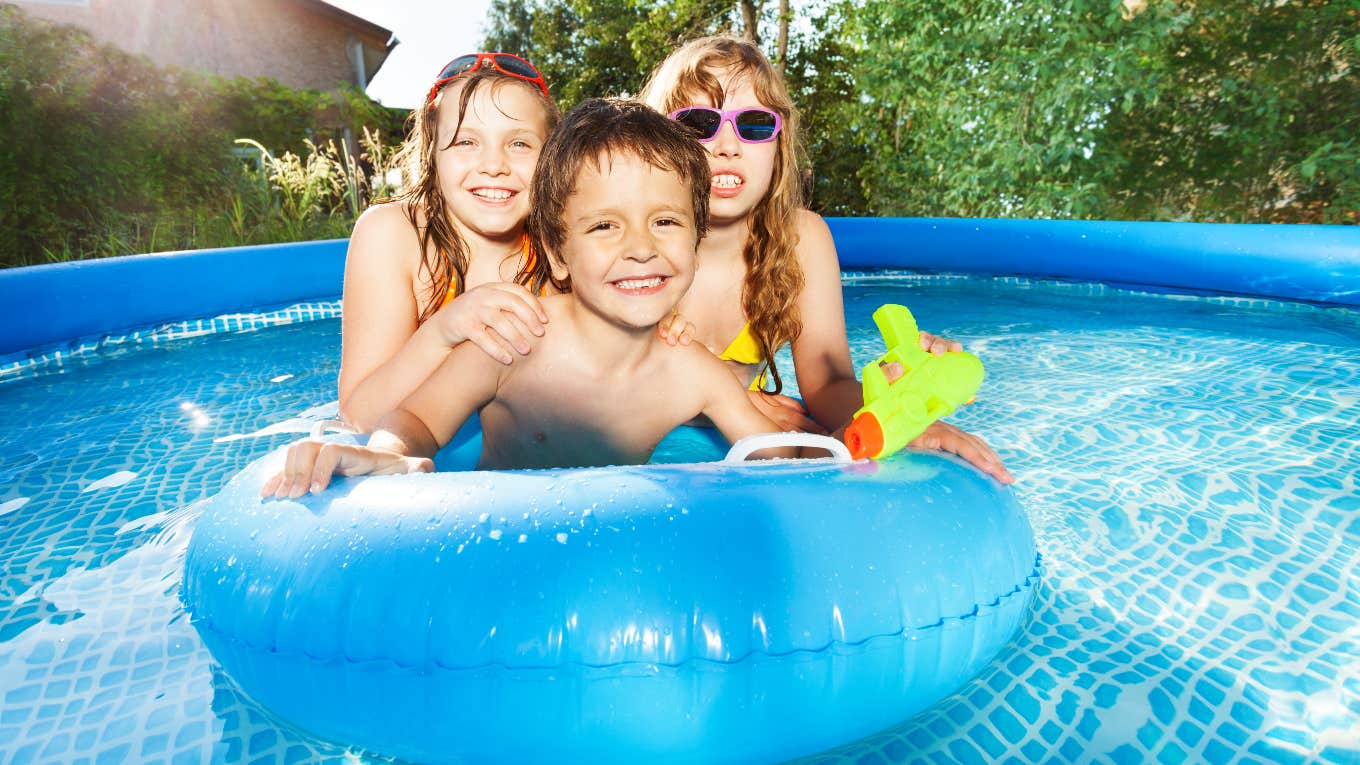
{"x": 820, "y": 74}
{"x": 1241, "y": 111}
{"x": 988, "y": 108}
{"x": 1218, "y": 110}
{"x": 592, "y": 48}
{"x": 107, "y": 154}
{"x": 1215, "y": 110}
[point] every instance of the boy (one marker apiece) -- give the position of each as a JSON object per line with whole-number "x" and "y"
{"x": 619, "y": 202}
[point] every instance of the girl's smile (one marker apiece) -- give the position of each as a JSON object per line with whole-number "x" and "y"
{"x": 486, "y": 163}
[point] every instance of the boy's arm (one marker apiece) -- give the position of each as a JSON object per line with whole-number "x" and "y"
{"x": 726, "y": 403}
{"x": 406, "y": 438}
{"x": 433, "y": 413}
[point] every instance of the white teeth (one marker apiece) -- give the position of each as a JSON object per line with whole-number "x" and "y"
{"x": 727, "y": 181}
{"x": 492, "y": 195}
{"x": 639, "y": 284}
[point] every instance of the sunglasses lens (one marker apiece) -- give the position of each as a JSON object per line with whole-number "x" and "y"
{"x": 516, "y": 66}
{"x": 703, "y": 123}
{"x": 458, "y": 66}
{"x": 757, "y": 125}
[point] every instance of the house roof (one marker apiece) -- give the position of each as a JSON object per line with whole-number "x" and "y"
{"x": 360, "y": 23}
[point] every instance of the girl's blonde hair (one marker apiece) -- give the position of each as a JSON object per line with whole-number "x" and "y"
{"x": 443, "y": 253}
{"x": 774, "y": 278}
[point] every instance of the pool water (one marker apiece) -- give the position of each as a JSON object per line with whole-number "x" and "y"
{"x": 1188, "y": 463}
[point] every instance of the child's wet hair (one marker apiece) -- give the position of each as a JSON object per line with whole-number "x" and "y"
{"x": 595, "y": 131}
{"x": 443, "y": 259}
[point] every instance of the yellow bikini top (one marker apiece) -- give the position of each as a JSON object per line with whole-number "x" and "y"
{"x": 745, "y": 350}
{"x": 530, "y": 260}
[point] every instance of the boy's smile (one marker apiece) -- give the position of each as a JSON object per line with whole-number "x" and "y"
{"x": 630, "y": 240}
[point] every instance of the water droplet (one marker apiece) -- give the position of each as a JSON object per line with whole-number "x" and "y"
{"x": 495, "y": 533}
{"x": 561, "y": 538}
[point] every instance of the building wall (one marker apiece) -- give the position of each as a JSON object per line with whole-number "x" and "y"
{"x": 301, "y": 43}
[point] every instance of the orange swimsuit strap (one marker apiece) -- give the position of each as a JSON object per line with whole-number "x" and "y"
{"x": 530, "y": 259}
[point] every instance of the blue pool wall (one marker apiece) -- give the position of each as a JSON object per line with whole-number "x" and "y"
{"x": 60, "y": 302}
{"x": 51, "y": 304}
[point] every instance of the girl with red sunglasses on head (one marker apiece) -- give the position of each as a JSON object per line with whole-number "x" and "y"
{"x": 768, "y": 272}
{"x": 447, "y": 260}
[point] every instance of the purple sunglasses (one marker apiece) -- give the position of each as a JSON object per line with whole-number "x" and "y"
{"x": 753, "y": 125}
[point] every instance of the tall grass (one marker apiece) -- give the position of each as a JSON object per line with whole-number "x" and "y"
{"x": 266, "y": 198}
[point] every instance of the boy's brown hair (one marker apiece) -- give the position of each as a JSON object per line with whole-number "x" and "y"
{"x": 593, "y": 131}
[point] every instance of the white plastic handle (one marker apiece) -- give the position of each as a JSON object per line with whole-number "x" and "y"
{"x": 320, "y": 428}
{"x": 743, "y": 448}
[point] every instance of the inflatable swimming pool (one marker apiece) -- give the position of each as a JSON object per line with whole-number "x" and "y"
{"x": 1197, "y": 512}
{"x": 709, "y": 612}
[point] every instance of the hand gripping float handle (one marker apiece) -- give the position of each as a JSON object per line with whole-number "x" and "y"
{"x": 930, "y": 388}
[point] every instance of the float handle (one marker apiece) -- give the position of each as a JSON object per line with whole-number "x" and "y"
{"x": 744, "y": 447}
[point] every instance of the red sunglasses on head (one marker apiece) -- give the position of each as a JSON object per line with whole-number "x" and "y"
{"x": 505, "y": 63}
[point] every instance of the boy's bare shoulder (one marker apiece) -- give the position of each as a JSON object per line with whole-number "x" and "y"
{"x": 556, "y": 304}
{"x": 692, "y": 359}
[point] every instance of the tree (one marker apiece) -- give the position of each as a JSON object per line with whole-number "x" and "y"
{"x": 1243, "y": 111}
{"x": 1212, "y": 110}
{"x": 579, "y": 45}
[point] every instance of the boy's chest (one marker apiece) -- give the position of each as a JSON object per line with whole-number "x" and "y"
{"x": 580, "y": 422}
{"x": 585, "y": 422}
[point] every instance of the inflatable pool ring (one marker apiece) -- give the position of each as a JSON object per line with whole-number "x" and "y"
{"x": 660, "y": 613}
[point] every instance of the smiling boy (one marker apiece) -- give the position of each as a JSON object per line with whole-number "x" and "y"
{"x": 619, "y": 204}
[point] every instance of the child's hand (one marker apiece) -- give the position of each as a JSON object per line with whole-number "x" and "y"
{"x": 787, "y": 413}
{"x": 310, "y": 465}
{"x": 497, "y": 317}
{"x": 675, "y": 329}
{"x": 944, "y": 437}
{"x": 938, "y": 345}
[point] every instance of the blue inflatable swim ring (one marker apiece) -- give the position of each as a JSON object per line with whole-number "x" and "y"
{"x": 659, "y": 613}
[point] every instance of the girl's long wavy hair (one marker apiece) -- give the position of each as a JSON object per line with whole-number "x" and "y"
{"x": 443, "y": 252}
{"x": 774, "y": 279}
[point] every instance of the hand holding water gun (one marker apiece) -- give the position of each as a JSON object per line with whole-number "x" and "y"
{"x": 930, "y": 388}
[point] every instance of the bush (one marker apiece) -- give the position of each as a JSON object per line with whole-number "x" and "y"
{"x": 108, "y": 154}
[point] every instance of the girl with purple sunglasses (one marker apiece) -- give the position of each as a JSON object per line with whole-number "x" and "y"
{"x": 768, "y": 272}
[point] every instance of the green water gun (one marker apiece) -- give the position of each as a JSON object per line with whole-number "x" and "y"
{"x": 930, "y": 387}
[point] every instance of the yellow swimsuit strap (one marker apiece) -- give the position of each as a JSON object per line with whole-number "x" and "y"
{"x": 530, "y": 260}
{"x": 745, "y": 350}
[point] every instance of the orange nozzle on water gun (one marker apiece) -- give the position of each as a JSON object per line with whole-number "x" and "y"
{"x": 930, "y": 387}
